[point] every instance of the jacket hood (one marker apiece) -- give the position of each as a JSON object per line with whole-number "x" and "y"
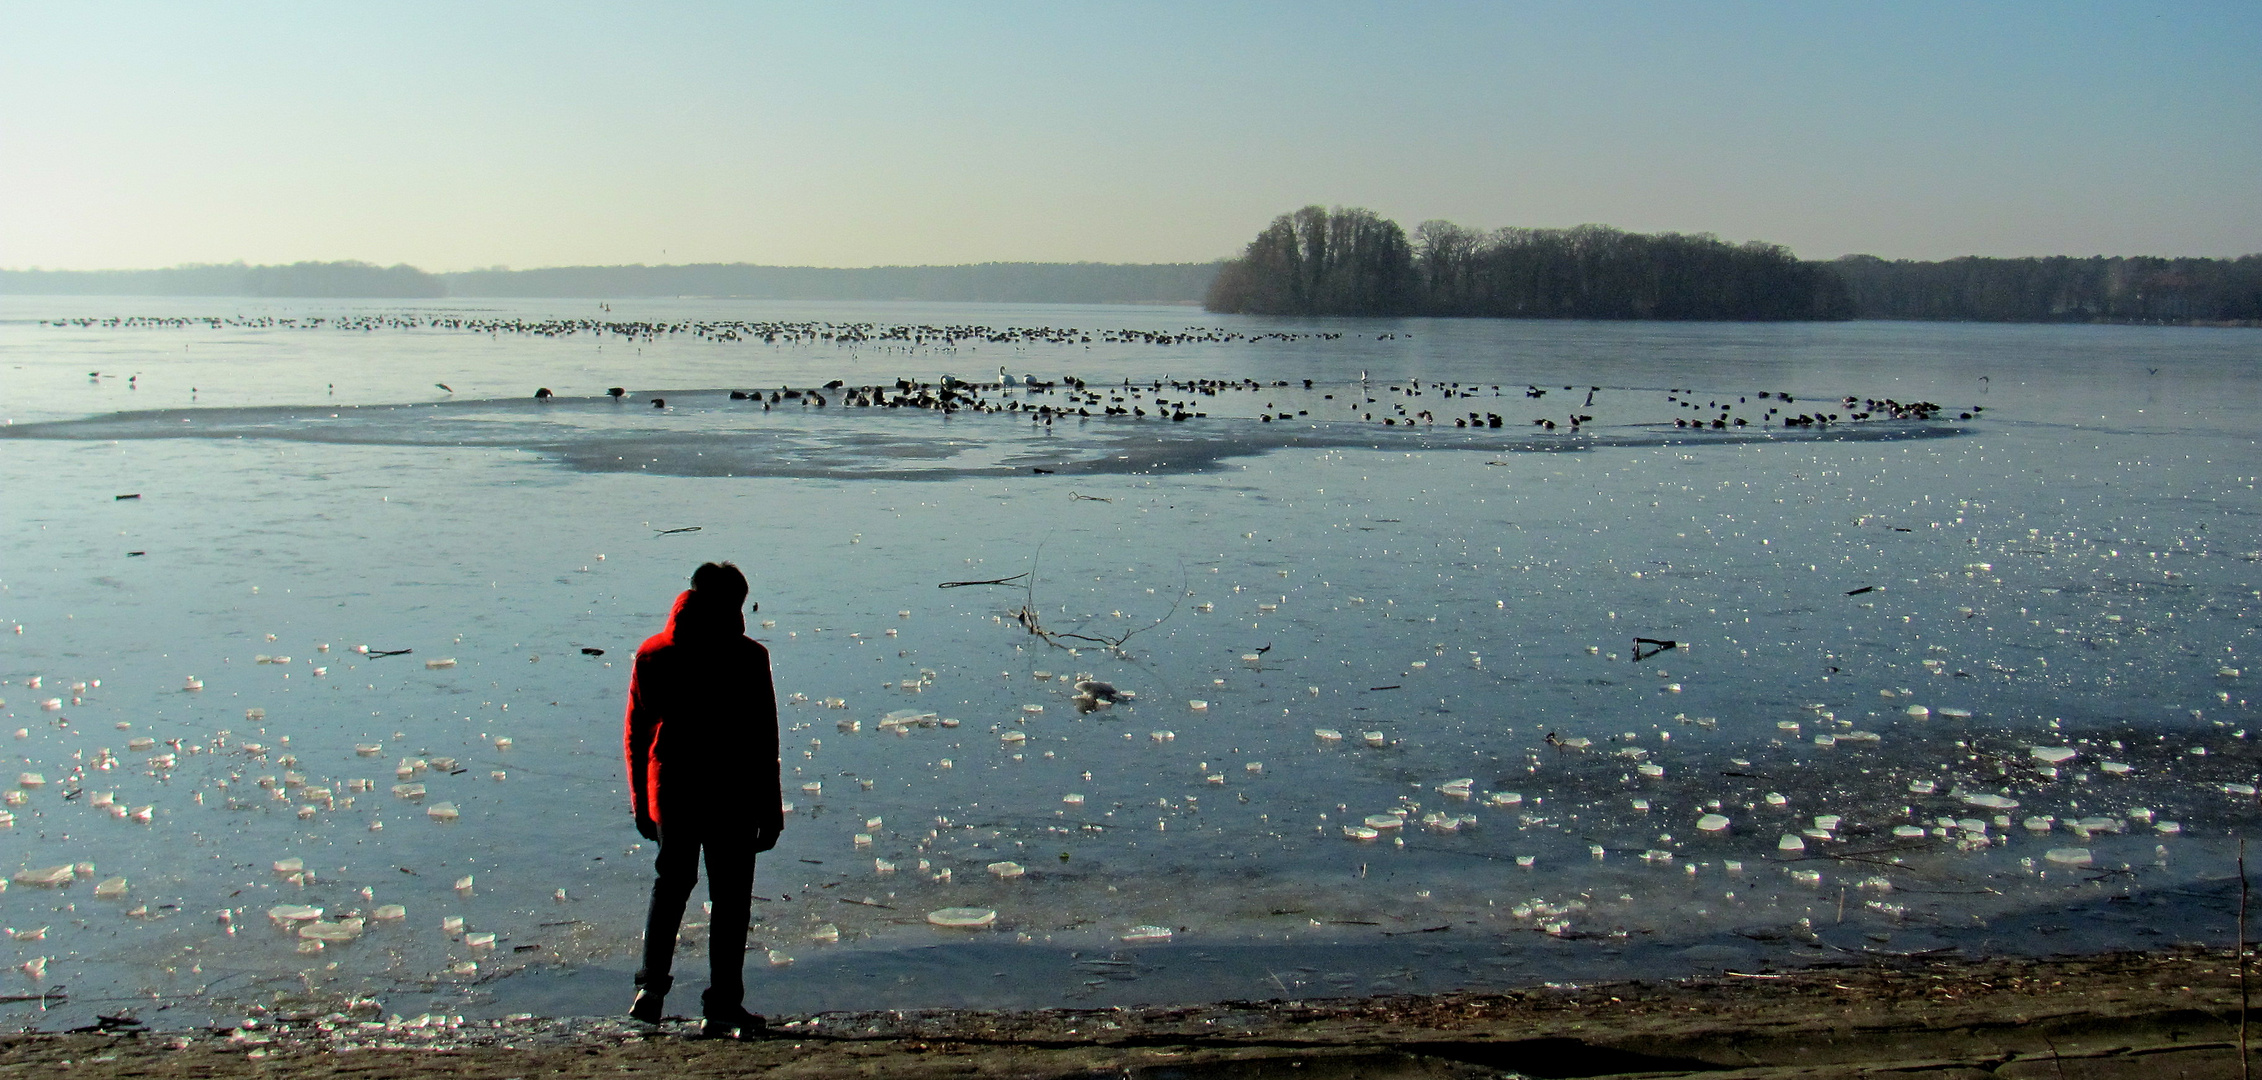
{"x": 697, "y": 618}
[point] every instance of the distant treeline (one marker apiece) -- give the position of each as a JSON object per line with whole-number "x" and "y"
{"x": 1350, "y": 262}
{"x": 2057, "y": 289}
{"x": 1026, "y": 283}
{"x": 1000, "y": 283}
{"x": 328, "y": 279}
{"x": 1354, "y": 262}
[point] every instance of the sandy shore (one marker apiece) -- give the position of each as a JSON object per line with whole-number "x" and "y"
{"x": 2153, "y": 1015}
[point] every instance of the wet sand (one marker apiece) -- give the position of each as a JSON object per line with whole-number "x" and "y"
{"x": 2170, "y": 1014}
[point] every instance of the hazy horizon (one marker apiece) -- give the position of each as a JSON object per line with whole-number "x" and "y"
{"x": 508, "y": 269}
{"x": 900, "y": 135}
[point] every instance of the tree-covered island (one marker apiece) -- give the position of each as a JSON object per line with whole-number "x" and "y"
{"x": 1318, "y": 261}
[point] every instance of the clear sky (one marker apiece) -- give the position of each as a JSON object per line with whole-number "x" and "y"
{"x": 457, "y": 135}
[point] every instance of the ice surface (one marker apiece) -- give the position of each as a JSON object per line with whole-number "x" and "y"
{"x": 1443, "y": 623}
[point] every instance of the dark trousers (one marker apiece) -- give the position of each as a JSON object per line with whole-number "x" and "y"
{"x": 730, "y": 886}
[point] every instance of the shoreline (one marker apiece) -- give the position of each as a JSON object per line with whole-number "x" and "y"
{"x": 2173, "y": 1013}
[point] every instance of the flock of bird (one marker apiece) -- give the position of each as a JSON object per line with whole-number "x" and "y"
{"x": 721, "y": 330}
{"x": 1856, "y": 409}
{"x": 951, "y": 395}
{"x": 1044, "y": 400}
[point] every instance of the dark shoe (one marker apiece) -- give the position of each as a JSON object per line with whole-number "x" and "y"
{"x": 735, "y": 1024}
{"x": 651, "y": 997}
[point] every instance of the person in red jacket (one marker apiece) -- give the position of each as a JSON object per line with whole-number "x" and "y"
{"x": 702, "y": 745}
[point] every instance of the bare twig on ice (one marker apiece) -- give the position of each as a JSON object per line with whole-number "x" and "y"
{"x": 988, "y": 581}
{"x": 1027, "y": 615}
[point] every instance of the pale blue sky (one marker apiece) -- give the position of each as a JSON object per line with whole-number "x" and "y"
{"x": 454, "y": 135}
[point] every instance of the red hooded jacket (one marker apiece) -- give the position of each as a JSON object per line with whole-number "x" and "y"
{"x": 702, "y": 728}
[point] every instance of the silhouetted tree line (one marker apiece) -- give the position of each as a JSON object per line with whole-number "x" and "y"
{"x": 1350, "y": 262}
{"x": 1023, "y": 283}
{"x": 327, "y": 279}
{"x": 1004, "y": 283}
{"x": 2057, "y": 289}
{"x": 1354, "y": 262}
{"x": 341, "y": 279}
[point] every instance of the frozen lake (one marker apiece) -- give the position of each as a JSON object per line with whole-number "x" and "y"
{"x": 1975, "y": 681}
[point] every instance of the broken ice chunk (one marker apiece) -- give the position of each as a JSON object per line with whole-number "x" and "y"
{"x": 343, "y": 930}
{"x": 961, "y": 918}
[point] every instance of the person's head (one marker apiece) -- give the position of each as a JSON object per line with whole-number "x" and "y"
{"x": 721, "y": 583}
